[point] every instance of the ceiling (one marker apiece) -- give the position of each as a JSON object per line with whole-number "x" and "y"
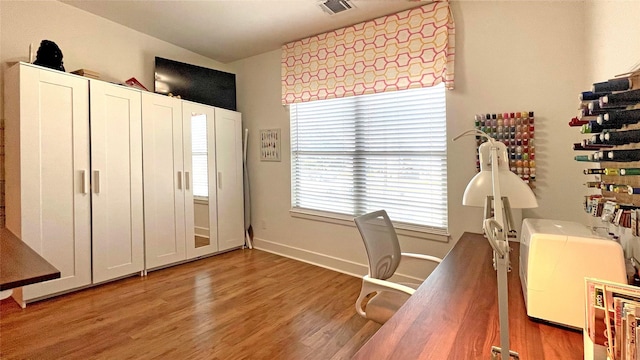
{"x": 228, "y": 30}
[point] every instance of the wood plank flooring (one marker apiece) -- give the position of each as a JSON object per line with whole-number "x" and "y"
{"x": 245, "y": 304}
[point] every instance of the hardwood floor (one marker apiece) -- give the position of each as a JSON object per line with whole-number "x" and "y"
{"x": 201, "y": 241}
{"x": 245, "y": 304}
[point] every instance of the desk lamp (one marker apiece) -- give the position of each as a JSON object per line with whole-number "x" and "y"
{"x": 498, "y": 182}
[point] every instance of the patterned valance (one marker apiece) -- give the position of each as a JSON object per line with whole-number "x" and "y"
{"x": 410, "y": 49}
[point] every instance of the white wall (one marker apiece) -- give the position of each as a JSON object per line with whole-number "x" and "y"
{"x": 535, "y": 62}
{"x": 612, "y": 38}
{"x": 258, "y": 87}
{"x": 510, "y": 56}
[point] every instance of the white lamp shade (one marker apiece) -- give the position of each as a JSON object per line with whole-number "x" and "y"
{"x": 517, "y": 191}
{"x": 511, "y": 186}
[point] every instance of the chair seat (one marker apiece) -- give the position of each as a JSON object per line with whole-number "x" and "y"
{"x": 384, "y": 304}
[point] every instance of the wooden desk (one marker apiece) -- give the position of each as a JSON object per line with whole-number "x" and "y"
{"x": 20, "y": 265}
{"x": 454, "y": 315}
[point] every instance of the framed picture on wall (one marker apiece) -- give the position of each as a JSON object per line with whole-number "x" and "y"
{"x": 270, "y": 145}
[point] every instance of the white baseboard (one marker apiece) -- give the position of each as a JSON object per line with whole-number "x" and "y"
{"x": 202, "y": 231}
{"x": 326, "y": 261}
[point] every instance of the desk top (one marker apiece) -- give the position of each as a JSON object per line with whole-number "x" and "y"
{"x": 20, "y": 265}
{"x": 454, "y": 315}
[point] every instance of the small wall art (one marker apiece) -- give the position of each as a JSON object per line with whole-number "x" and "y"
{"x": 270, "y": 145}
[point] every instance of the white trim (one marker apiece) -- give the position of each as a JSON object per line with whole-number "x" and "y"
{"x": 203, "y": 200}
{"x": 204, "y": 229}
{"x": 322, "y": 260}
{"x": 5, "y": 293}
{"x": 416, "y": 231}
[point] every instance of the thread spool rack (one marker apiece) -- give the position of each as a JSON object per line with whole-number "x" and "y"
{"x": 606, "y": 115}
{"x": 517, "y": 131}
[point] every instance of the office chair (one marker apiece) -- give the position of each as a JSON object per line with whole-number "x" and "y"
{"x": 383, "y": 252}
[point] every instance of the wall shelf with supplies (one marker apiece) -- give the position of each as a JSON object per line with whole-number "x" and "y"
{"x": 610, "y": 115}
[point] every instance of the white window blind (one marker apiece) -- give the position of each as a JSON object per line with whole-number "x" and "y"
{"x": 199, "y": 155}
{"x": 363, "y": 153}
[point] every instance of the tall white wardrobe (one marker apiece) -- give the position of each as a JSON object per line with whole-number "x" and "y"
{"x": 74, "y": 174}
{"x": 192, "y": 179}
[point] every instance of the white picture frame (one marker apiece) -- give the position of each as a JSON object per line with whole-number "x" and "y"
{"x": 270, "y": 144}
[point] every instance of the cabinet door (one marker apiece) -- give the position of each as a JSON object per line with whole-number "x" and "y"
{"x": 54, "y": 206}
{"x": 230, "y": 181}
{"x": 201, "y": 218}
{"x": 164, "y": 219}
{"x": 116, "y": 173}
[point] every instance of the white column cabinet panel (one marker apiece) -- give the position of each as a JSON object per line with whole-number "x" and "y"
{"x": 163, "y": 166}
{"x": 47, "y": 171}
{"x": 116, "y": 165}
{"x": 229, "y": 179}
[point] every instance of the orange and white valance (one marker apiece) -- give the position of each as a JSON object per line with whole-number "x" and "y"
{"x": 410, "y": 49}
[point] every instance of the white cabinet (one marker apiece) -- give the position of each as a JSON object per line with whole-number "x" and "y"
{"x": 116, "y": 170}
{"x": 164, "y": 195}
{"x": 48, "y": 204}
{"x": 229, "y": 179}
{"x": 74, "y": 175}
{"x": 193, "y": 185}
{"x": 104, "y": 181}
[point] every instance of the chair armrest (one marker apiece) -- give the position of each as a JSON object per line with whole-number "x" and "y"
{"x": 421, "y": 257}
{"x": 370, "y": 285}
{"x": 384, "y": 285}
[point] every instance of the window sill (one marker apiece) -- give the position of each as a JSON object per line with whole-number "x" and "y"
{"x": 420, "y": 232}
{"x": 201, "y": 200}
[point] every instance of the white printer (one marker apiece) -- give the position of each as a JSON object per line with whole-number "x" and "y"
{"x": 555, "y": 257}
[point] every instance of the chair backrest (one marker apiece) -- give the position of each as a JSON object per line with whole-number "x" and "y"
{"x": 381, "y": 241}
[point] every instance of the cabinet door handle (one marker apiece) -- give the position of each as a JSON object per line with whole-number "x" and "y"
{"x": 219, "y": 180}
{"x": 85, "y": 182}
{"x": 179, "y": 180}
{"x": 187, "y": 180}
{"x": 96, "y": 181}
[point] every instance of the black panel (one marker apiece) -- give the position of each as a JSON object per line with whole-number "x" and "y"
{"x": 195, "y": 83}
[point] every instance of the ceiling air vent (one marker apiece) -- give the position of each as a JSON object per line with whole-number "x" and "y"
{"x": 333, "y": 7}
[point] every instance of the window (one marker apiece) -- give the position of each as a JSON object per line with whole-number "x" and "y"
{"x": 199, "y": 156}
{"x": 358, "y": 154}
